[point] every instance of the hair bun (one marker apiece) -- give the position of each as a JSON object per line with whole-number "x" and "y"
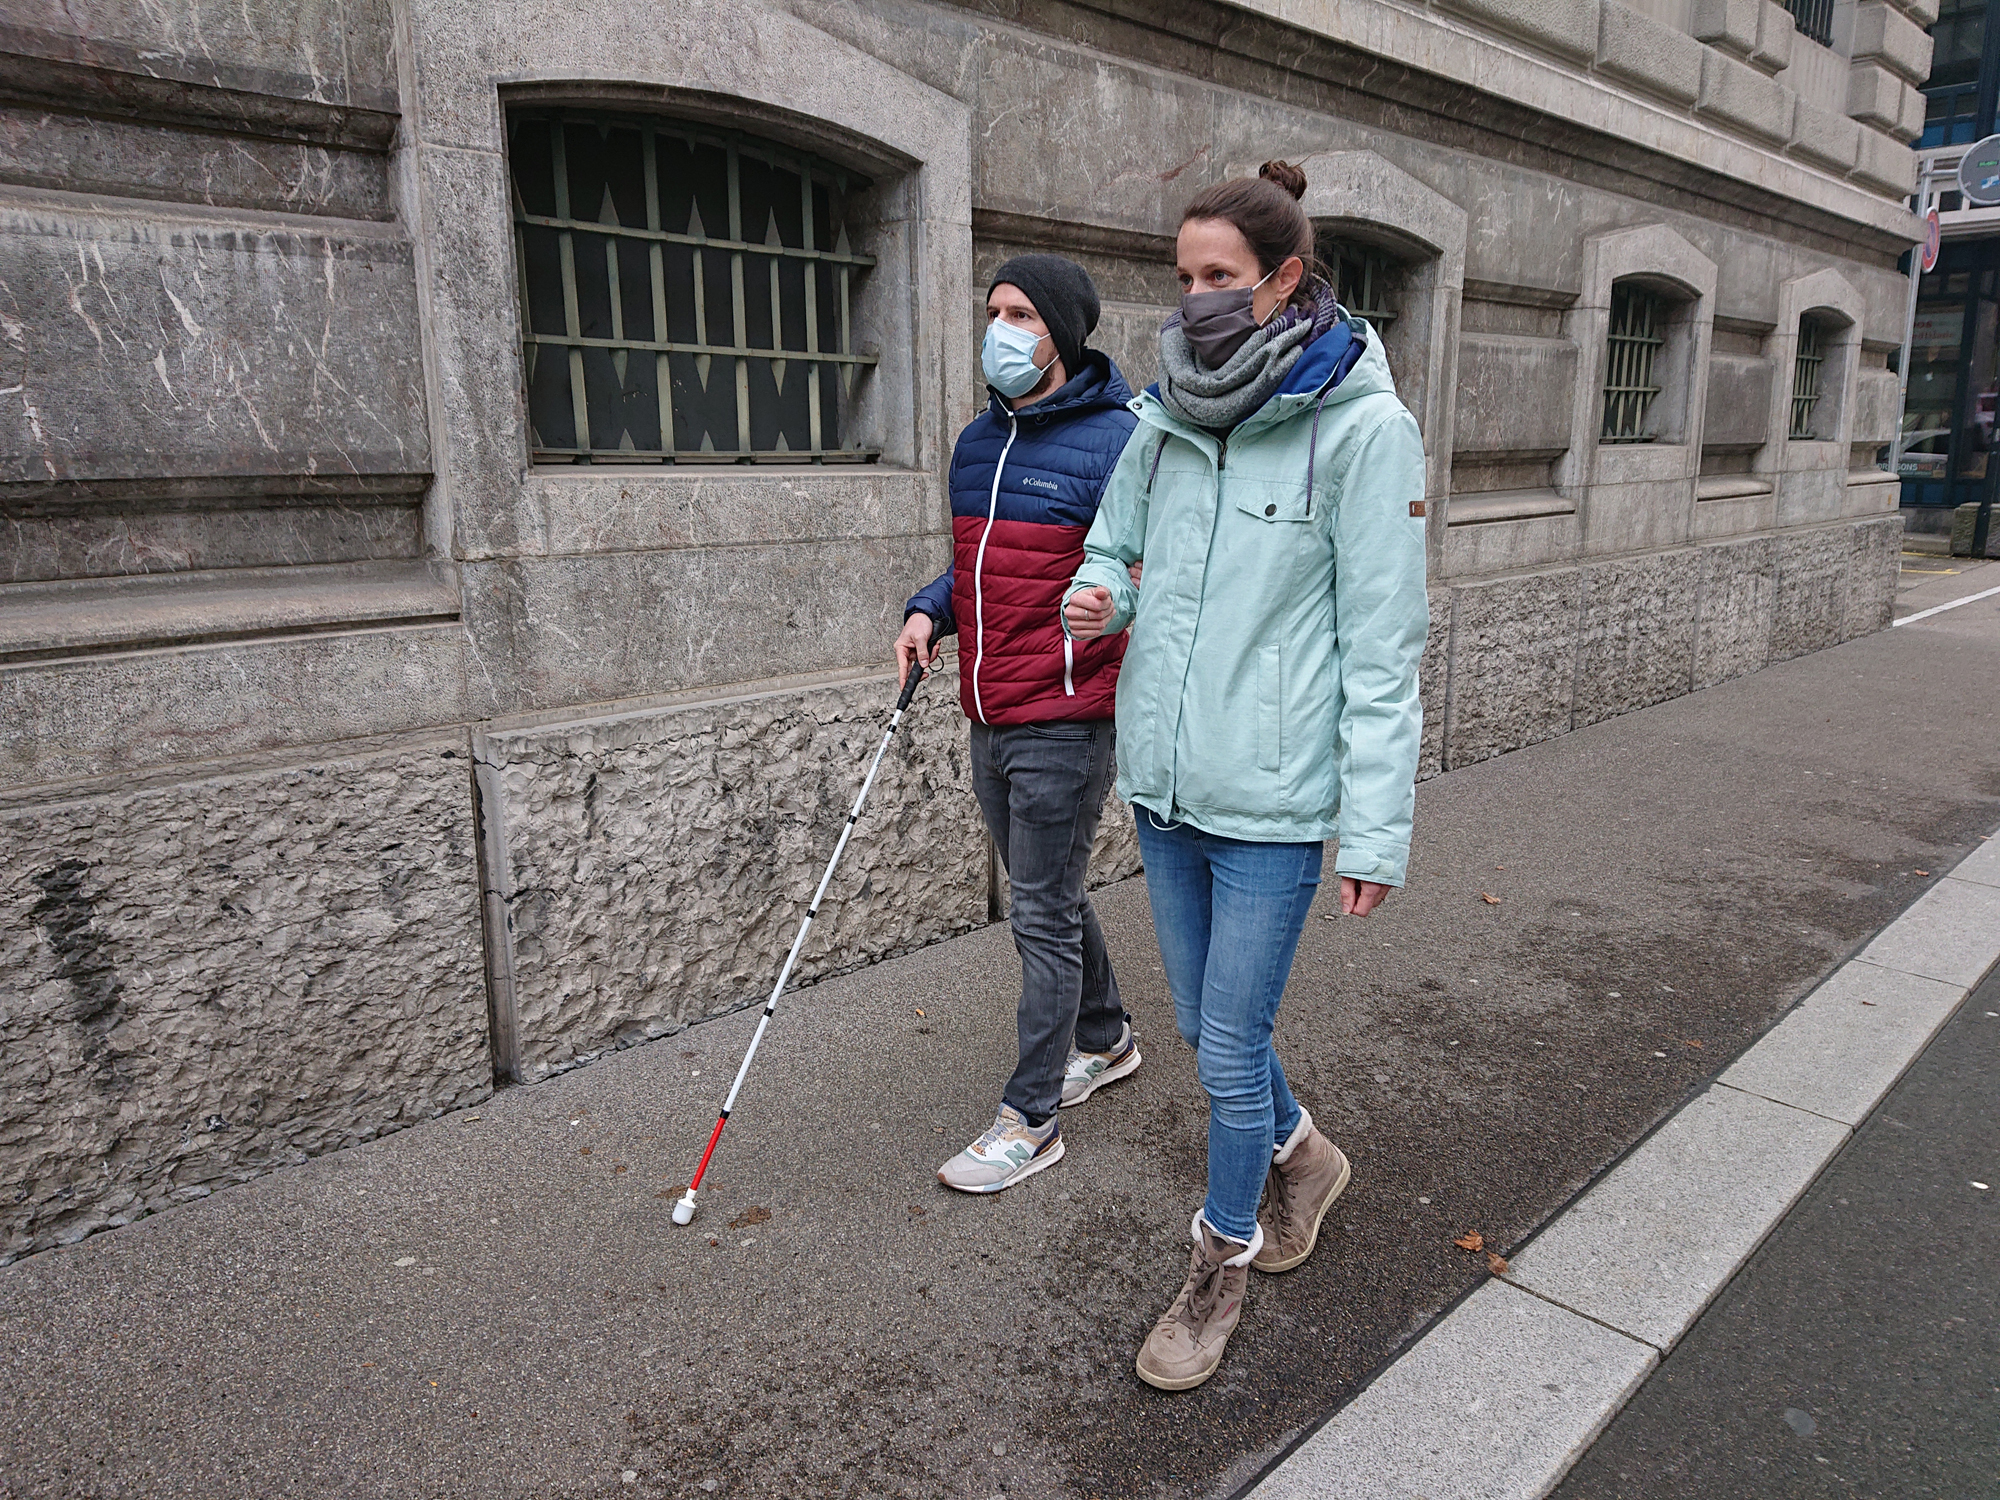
{"x": 1287, "y": 176}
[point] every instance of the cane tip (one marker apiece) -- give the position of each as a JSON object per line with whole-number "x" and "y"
{"x": 684, "y": 1210}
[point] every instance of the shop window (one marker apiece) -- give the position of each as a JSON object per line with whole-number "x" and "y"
{"x": 1638, "y": 330}
{"x": 687, "y": 293}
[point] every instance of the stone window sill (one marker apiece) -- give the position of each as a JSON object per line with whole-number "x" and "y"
{"x": 1508, "y": 505}
{"x": 39, "y": 621}
{"x": 1730, "y": 487}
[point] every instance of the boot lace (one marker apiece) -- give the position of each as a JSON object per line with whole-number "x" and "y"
{"x": 1199, "y": 1298}
{"x": 1278, "y": 1197}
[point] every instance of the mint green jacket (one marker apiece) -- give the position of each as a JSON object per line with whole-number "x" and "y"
{"x": 1269, "y": 691}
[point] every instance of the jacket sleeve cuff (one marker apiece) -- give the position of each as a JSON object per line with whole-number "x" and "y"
{"x": 1379, "y": 866}
{"x": 941, "y": 625}
{"x": 1091, "y": 576}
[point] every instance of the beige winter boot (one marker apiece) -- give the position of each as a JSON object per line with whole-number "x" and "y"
{"x": 1307, "y": 1174}
{"x": 1186, "y": 1345}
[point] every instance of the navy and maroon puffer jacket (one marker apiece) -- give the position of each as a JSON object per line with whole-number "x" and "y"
{"x": 1024, "y": 490}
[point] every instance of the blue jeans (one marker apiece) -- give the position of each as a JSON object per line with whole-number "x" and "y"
{"x": 1228, "y": 916}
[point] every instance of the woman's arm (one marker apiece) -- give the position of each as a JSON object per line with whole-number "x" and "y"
{"x": 1381, "y": 616}
{"x": 1117, "y": 539}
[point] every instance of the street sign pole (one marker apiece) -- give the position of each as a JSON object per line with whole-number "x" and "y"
{"x": 1923, "y": 258}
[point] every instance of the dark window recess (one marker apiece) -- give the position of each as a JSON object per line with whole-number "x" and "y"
{"x": 1814, "y": 19}
{"x": 1637, "y": 316}
{"x": 1361, "y": 278}
{"x": 1805, "y": 376}
{"x": 686, "y": 293}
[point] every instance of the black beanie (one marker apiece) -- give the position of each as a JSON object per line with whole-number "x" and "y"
{"x": 1063, "y": 294}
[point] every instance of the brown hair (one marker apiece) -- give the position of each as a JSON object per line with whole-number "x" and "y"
{"x": 1265, "y": 211}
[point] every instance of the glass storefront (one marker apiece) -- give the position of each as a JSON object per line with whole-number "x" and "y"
{"x": 1948, "y": 415}
{"x": 1945, "y": 457}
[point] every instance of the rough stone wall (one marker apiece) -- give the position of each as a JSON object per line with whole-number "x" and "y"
{"x": 205, "y": 979}
{"x": 653, "y": 867}
{"x": 1535, "y": 655}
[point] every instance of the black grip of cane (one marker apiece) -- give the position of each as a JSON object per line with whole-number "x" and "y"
{"x": 910, "y": 684}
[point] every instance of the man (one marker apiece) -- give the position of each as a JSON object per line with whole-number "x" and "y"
{"x": 1025, "y": 480}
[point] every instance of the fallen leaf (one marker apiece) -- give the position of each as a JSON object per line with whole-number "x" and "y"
{"x": 1867, "y": 1002}
{"x": 1923, "y": 872}
{"x": 1499, "y": 867}
{"x": 1497, "y": 1264}
{"x": 920, "y": 1010}
{"x": 1692, "y": 1042}
{"x": 713, "y": 1243}
{"x": 917, "y": 1210}
{"x": 1472, "y": 1239}
{"x": 754, "y": 1214}
{"x": 1488, "y": 899}
{"x": 367, "y": 1364}
{"x": 619, "y": 1167}
{"x": 583, "y": 1151}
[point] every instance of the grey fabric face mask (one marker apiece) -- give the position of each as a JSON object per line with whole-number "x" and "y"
{"x": 1217, "y": 324}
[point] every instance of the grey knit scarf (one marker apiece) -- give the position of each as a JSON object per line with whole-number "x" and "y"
{"x": 1219, "y": 399}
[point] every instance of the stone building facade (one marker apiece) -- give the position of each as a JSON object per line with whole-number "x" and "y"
{"x": 432, "y": 650}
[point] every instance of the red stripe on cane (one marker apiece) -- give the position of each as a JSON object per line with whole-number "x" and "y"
{"x": 714, "y": 1136}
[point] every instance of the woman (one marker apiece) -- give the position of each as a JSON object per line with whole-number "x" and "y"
{"x": 1274, "y": 489}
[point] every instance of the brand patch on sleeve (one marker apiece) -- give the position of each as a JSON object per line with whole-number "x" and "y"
{"x": 1416, "y": 507}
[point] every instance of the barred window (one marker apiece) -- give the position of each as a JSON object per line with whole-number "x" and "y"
{"x": 686, "y": 293}
{"x": 1638, "y": 321}
{"x": 1361, "y": 278}
{"x": 1806, "y": 369}
{"x": 1814, "y": 19}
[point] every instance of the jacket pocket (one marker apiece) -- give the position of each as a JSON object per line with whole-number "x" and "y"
{"x": 1270, "y": 708}
{"x": 1276, "y": 501}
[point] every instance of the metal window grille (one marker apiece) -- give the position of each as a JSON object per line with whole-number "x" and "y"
{"x": 1814, "y": 19}
{"x": 1360, "y": 280}
{"x": 1805, "y": 378}
{"x": 1637, "y": 317}
{"x": 1361, "y": 283}
{"x": 686, "y": 293}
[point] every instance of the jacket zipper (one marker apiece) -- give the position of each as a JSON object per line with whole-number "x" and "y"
{"x": 1069, "y": 666}
{"x": 979, "y": 568}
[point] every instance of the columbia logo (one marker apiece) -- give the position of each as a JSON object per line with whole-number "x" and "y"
{"x": 1045, "y": 484}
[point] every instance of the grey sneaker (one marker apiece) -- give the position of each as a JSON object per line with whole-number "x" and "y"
{"x": 1010, "y": 1150}
{"x": 1089, "y": 1071}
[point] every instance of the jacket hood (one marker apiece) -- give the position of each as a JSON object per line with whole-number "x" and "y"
{"x": 1096, "y": 387}
{"x": 1333, "y": 358}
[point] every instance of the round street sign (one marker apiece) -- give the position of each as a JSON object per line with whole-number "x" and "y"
{"x": 1979, "y": 172}
{"x": 1933, "y": 238}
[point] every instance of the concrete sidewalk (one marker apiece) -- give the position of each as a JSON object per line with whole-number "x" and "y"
{"x": 496, "y": 1304}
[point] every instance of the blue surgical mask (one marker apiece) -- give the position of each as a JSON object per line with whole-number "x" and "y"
{"x": 1008, "y": 358}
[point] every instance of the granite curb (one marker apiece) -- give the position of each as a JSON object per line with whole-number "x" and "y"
{"x": 1507, "y": 1389}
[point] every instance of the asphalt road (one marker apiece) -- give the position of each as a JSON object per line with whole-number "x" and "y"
{"x": 1858, "y": 1352}
{"x": 495, "y": 1304}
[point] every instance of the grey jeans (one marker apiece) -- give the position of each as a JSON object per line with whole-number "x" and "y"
{"x": 1041, "y": 787}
